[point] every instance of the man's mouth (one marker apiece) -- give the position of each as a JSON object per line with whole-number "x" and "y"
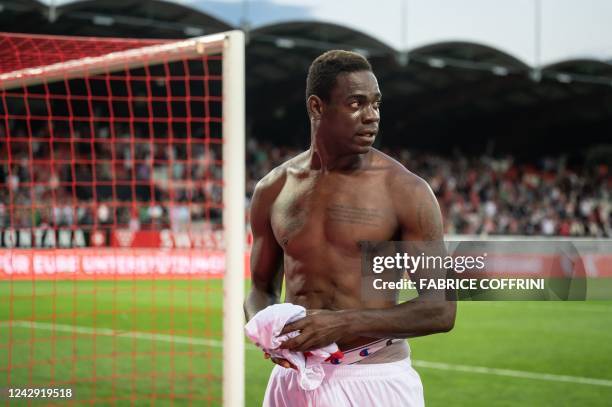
{"x": 367, "y": 134}
{"x": 366, "y": 138}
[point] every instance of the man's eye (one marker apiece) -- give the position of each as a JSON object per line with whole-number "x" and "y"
{"x": 354, "y": 104}
{"x": 377, "y": 104}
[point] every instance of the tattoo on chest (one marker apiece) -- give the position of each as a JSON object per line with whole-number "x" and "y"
{"x": 354, "y": 215}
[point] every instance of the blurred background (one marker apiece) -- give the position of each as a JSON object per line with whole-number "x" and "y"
{"x": 111, "y": 184}
{"x": 505, "y": 108}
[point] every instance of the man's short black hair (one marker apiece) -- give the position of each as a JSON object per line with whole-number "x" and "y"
{"x": 326, "y": 67}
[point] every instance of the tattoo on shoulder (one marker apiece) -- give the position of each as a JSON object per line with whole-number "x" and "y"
{"x": 354, "y": 215}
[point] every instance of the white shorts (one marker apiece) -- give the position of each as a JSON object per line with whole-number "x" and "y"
{"x": 392, "y": 384}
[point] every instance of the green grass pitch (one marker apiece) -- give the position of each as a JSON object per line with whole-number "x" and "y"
{"x": 138, "y": 342}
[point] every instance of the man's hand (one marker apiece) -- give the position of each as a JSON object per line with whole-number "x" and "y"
{"x": 318, "y": 329}
{"x": 281, "y": 362}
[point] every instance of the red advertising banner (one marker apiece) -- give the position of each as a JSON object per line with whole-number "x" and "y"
{"x": 143, "y": 263}
{"x": 66, "y": 238}
{"x": 169, "y": 239}
{"x": 546, "y": 265}
{"x": 110, "y": 263}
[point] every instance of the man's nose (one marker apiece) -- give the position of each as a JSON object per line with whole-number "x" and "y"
{"x": 371, "y": 115}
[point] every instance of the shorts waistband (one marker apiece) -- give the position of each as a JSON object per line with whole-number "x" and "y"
{"x": 359, "y": 353}
{"x": 374, "y": 370}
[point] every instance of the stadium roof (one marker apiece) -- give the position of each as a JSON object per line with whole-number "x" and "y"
{"x": 123, "y": 18}
{"x": 502, "y": 37}
{"x": 567, "y": 30}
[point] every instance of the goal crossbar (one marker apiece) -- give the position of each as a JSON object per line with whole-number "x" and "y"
{"x": 128, "y": 59}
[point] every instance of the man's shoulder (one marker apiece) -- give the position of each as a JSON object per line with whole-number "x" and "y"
{"x": 273, "y": 180}
{"x": 397, "y": 175}
{"x": 414, "y": 201}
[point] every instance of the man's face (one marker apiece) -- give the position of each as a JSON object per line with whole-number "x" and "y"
{"x": 349, "y": 120}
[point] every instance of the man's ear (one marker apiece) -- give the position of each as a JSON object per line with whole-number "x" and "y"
{"x": 314, "y": 104}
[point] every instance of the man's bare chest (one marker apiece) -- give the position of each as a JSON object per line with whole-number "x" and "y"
{"x": 312, "y": 214}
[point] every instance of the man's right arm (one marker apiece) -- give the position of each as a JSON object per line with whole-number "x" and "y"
{"x": 266, "y": 254}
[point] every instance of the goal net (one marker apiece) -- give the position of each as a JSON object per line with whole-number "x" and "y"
{"x": 122, "y": 247}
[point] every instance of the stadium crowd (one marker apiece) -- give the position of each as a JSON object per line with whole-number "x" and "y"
{"x": 495, "y": 196}
{"x": 149, "y": 185}
{"x": 122, "y": 181}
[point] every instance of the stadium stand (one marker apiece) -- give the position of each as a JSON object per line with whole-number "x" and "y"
{"x": 493, "y": 196}
{"x": 478, "y": 195}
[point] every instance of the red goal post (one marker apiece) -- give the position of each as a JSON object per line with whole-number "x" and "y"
{"x": 230, "y": 47}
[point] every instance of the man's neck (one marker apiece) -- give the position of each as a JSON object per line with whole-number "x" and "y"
{"x": 321, "y": 159}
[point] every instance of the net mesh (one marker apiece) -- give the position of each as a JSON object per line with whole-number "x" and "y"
{"x": 110, "y": 218}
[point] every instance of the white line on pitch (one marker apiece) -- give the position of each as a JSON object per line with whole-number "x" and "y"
{"x": 218, "y": 344}
{"x": 512, "y": 373}
{"x": 83, "y": 330}
{"x": 552, "y": 306}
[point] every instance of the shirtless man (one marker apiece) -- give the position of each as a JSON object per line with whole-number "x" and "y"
{"x": 308, "y": 218}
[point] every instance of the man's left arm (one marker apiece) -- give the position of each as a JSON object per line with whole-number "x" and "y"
{"x": 421, "y": 224}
